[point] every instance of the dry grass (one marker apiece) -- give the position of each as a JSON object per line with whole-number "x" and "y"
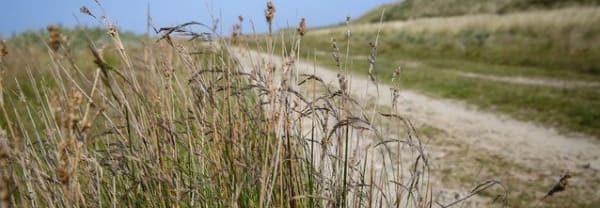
{"x": 166, "y": 128}
{"x": 3, "y": 50}
{"x": 190, "y": 123}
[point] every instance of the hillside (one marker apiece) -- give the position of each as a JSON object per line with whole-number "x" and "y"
{"x": 450, "y": 56}
{"x": 410, "y": 9}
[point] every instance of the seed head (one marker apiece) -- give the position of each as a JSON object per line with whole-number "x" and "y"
{"x": 54, "y": 38}
{"x": 86, "y": 11}
{"x": 302, "y": 27}
{"x": 270, "y": 12}
{"x": 347, "y": 26}
{"x": 372, "y": 61}
{"x": 236, "y": 33}
{"x": 336, "y": 52}
{"x": 396, "y": 73}
{"x": 3, "y": 49}
{"x": 343, "y": 83}
{"x": 112, "y": 30}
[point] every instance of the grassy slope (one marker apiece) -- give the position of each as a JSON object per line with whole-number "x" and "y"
{"x": 410, "y": 9}
{"x": 564, "y": 39}
{"x": 532, "y": 44}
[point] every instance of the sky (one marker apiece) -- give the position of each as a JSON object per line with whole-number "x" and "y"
{"x": 130, "y": 15}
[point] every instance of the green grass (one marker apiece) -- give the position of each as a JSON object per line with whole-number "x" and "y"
{"x": 556, "y": 44}
{"x": 410, "y": 9}
{"x": 570, "y": 110}
{"x": 558, "y": 40}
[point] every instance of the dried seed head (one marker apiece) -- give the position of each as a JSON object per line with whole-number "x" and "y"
{"x": 68, "y": 157}
{"x": 371, "y": 60}
{"x": 236, "y": 33}
{"x": 270, "y": 14}
{"x": 241, "y": 18}
{"x": 72, "y": 119}
{"x": 86, "y": 11}
{"x": 395, "y": 96}
{"x": 347, "y": 26}
{"x": 343, "y": 83}
{"x": 52, "y": 28}
{"x": 302, "y": 27}
{"x": 64, "y": 169}
{"x": 112, "y": 30}
{"x": 54, "y": 39}
{"x": 336, "y": 52}
{"x": 63, "y": 174}
{"x": 396, "y": 73}
{"x": 3, "y": 50}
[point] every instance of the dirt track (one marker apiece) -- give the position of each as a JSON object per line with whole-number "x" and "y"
{"x": 542, "y": 150}
{"x": 533, "y": 81}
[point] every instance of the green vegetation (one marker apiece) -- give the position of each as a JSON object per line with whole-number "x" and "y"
{"x": 558, "y": 40}
{"x": 570, "y": 109}
{"x": 412, "y": 9}
{"x": 435, "y": 53}
{"x": 33, "y": 45}
{"x": 77, "y": 37}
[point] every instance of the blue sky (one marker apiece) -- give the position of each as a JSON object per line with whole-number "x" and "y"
{"x": 130, "y": 15}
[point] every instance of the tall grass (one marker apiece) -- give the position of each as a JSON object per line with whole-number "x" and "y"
{"x": 181, "y": 123}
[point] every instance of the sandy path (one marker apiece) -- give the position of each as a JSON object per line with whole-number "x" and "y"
{"x": 525, "y": 143}
{"x": 569, "y": 84}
